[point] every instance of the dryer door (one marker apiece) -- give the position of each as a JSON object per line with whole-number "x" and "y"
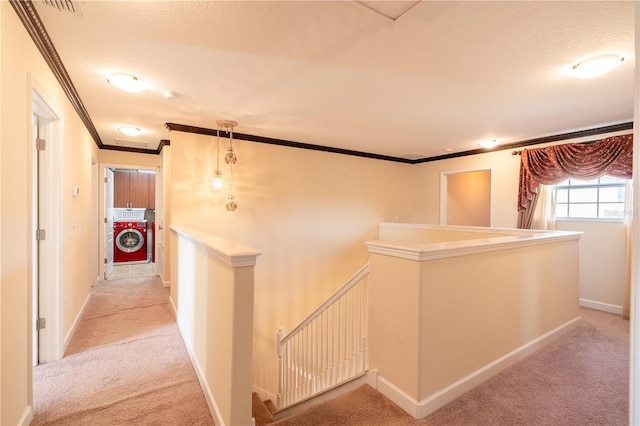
{"x": 129, "y": 240}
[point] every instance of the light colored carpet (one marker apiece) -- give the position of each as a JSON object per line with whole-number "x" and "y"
{"x": 126, "y": 365}
{"x": 580, "y": 379}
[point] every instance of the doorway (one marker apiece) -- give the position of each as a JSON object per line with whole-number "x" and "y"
{"x": 46, "y": 137}
{"x": 465, "y": 198}
{"x": 128, "y": 243}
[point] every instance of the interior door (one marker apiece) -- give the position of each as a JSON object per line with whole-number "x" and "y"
{"x": 108, "y": 222}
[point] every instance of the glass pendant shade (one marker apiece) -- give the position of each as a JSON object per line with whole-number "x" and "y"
{"x": 230, "y": 157}
{"x": 217, "y": 182}
{"x": 231, "y": 203}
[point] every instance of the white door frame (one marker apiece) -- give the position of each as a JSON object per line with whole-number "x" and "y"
{"x": 46, "y": 289}
{"x": 103, "y": 207}
{"x": 107, "y": 224}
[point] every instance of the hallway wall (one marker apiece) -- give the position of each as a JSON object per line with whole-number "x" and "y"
{"x": 20, "y": 61}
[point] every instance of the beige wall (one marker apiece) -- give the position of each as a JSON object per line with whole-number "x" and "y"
{"x": 19, "y": 59}
{"x": 479, "y": 308}
{"x": 308, "y": 212}
{"x": 599, "y": 251}
{"x": 110, "y": 157}
{"x": 602, "y": 262}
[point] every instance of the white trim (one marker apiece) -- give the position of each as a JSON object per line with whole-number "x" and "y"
{"x": 600, "y": 306}
{"x": 27, "y": 416}
{"x": 48, "y": 286}
{"x": 422, "y": 409}
{"x": 430, "y": 251}
{"x": 76, "y": 321}
{"x": 166, "y": 283}
{"x": 233, "y": 254}
{"x": 208, "y": 395}
{"x": 476, "y": 229}
{"x": 174, "y": 310}
{"x": 102, "y": 208}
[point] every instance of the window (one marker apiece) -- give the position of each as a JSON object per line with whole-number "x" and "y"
{"x": 601, "y": 198}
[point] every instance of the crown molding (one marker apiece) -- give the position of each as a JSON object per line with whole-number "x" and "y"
{"x": 595, "y": 131}
{"x": 34, "y": 26}
{"x": 260, "y": 139}
{"x": 282, "y": 142}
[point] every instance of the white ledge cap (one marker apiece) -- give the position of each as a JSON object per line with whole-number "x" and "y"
{"x": 439, "y": 250}
{"x": 232, "y": 253}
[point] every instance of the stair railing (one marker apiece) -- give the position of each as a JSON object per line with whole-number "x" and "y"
{"x": 328, "y": 348}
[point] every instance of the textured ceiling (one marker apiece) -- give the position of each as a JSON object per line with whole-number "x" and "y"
{"x": 439, "y": 78}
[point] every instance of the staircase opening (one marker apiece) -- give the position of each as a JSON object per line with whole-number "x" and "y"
{"x": 329, "y": 348}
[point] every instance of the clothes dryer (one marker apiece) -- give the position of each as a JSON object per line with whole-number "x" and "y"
{"x": 130, "y": 241}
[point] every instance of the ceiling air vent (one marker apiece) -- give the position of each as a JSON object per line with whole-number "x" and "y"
{"x": 64, "y": 6}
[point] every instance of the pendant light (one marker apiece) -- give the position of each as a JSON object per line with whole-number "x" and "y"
{"x": 230, "y": 158}
{"x": 217, "y": 176}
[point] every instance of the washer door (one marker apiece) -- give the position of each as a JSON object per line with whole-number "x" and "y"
{"x": 129, "y": 240}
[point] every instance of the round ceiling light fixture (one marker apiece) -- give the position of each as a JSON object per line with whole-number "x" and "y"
{"x": 130, "y": 130}
{"x": 489, "y": 143}
{"x": 169, "y": 94}
{"x": 596, "y": 66}
{"x": 127, "y": 82}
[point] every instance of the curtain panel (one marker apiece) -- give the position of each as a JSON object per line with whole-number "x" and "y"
{"x": 550, "y": 165}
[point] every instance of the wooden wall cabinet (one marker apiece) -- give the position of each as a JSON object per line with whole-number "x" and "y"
{"x": 134, "y": 190}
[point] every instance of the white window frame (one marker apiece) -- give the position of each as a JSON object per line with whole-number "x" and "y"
{"x": 566, "y": 184}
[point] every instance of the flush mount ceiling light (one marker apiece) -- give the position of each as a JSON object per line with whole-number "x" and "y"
{"x": 130, "y": 130}
{"x": 126, "y": 82}
{"x": 169, "y": 94}
{"x": 489, "y": 143}
{"x": 596, "y": 66}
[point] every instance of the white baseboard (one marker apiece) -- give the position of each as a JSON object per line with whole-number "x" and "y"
{"x": 614, "y": 309}
{"x": 74, "y": 326}
{"x": 208, "y": 395}
{"x": 421, "y": 409}
{"x": 166, "y": 283}
{"x": 174, "y": 310}
{"x": 27, "y": 417}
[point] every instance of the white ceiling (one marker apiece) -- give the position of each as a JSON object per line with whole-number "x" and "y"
{"x": 442, "y": 76}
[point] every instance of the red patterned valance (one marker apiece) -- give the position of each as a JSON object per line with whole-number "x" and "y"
{"x": 550, "y": 165}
